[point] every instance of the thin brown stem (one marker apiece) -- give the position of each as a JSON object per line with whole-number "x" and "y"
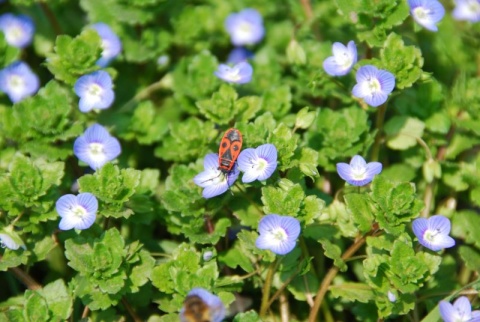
{"x": 130, "y": 310}
{"x": 282, "y": 288}
{"x": 327, "y": 280}
{"x": 284, "y": 308}
{"x": 26, "y": 279}
{"x": 85, "y": 312}
{"x": 307, "y": 8}
{"x": 51, "y": 18}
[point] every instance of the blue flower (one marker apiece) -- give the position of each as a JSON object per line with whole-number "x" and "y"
{"x": 215, "y": 181}
{"x": 343, "y": 59}
{"x": 468, "y": 10}
{"x": 245, "y": 27}
{"x": 18, "y": 81}
{"x": 77, "y": 212}
{"x": 238, "y": 55}
{"x": 259, "y": 163}
{"x": 214, "y": 310}
{"x": 373, "y": 85}
{"x": 111, "y": 44}
{"x": 461, "y": 310}
{"x": 433, "y": 232}
{"x": 391, "y": 296}
{"x": 240, "y": 73}
{"x": 96, "y": 147}
{"x": 358, "y": 172}
{"x": 95, "y": 91}
{"x": 10, "y": 240}
{"x": 427, "y": 13}
{"x": 18, "y": 30}
{"x": 278, "y": 233}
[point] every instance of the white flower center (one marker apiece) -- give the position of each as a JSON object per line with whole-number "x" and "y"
{"x": 16, "y": 82}
{"x": 359, "y": 173}
{"x": 95, "y": 90}
{"x": 233, "y": 75}
{"x": 245, "y": 28}
{"x": 14, "y": 33}
{"x": 474, "y": 6}
{"x": 106, "y": 48}
{"x": 218, "y": 177}
{"x": 259, "y": 164}
{"x": 279, "y": 234}
{"x": 431, "y": 235}
{"x": 374, "y": 85}
{"x": 344, "y": 60}
{"x": 96, "y": 148}
{"x": 421, "y": 13}
{"x": 78, "y": 211}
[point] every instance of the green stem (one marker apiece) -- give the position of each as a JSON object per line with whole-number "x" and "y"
{"x": 378, "y": 137}
{"x": 144, "y": 93}
{"x": 244, "y": 193}
{"x": 266, "y": 288}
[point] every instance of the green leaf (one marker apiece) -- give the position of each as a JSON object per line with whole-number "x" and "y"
{"x": 8, "y": 54}
{"x": 405, "y": 62}
{"x": 403, "y": 131}
{"x": 295, "y": 53}
{"x": 353, "y": 292}
{"x": 111, "y": 186}
{"x": 249, "y": 316}
{"x": 277, "y": 101}
{"x": 466, "y": 225}
{"x": 326, "y": 235}
{"x": 360, "y": 208}
{"x": 220, "y": 108}
{"x": 235, "y": 257}
{"x": 36, "y": 308}
{"x": 183, "y": 142}
{"x": 282, "y": 202}
{"x": 285, "y": 142}
{"x": 339, "y": 135}
{"x": 305, "y": 118}
{"x": 74, "y": 57}
{"x": 194, "y": 77}
{"x": 58, "y": 299}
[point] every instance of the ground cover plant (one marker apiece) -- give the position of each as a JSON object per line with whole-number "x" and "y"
{"x": 211, "y": 160}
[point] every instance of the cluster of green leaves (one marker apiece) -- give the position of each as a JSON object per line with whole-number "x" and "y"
{"x": 156, "y": 237}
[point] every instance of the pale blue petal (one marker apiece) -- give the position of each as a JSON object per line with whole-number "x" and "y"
{"x": 211, "y": 161}
{"x": 331, "y": 67}
{"x": 358, "y": 162}
{"x": 441, "y": 223}
{"x": 339, "y": 49}
{"x": 344, "y": 170}
{"x": 373, "y": 168}
{"x": 65, "y": 203}
{"x": 7, "y": 241}
{"x": 376, "y": 99}
{"x": 88, "y": 201}
{"x": 386, "y": 80}
{"x": 245, "y": 158}
{"x": 447, "y": 312}
{"x": 267, "y": 171}
{"x": 365, "y": 73}
{"x": 214, "y": 190}
{"x": 462, "y": 304}
{"x": 268, "y": 152}
{"x": 419, "y": 226}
